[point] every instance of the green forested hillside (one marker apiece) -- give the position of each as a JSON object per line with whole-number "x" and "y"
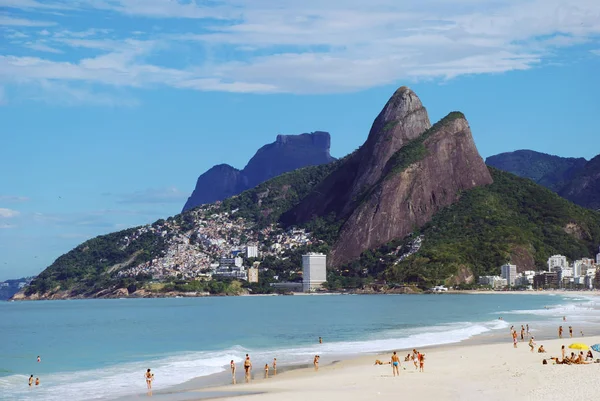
{"x": 511, "y": 220}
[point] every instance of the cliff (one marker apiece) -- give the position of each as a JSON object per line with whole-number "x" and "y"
{"x": 404, "y": 173}
{"x": 287, "y": 153}
{"x": 584, "y": 188}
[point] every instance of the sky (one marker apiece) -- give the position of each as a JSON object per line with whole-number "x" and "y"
{"x": 111, "y": 109}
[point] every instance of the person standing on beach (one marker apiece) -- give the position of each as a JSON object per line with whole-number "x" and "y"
{"x": 30, "y": 380}
{"x": 522, "y": 333}
{"x": 560, "y": 330}
{"x": 571, "y": 331}
{"x": 415, "y": 358}
{"x": 527, "y": 327}
{"x": 266, "y": 370}
{"x": 247, "y": 367}
{"x": 531, "y": 344}
{"x": 274, "y": 366}
{"x": 232, "y": 365}
{"x": 316, "y": 362}
{"x": 515, "y": 339}
{"x": 149, "y": 376}
{"x": 422, "y": 363}
{"x": 395, "y": 364}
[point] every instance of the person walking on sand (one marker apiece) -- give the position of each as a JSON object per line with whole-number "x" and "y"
{"x": 571, "y": 331}
{"x": 415, "y": 358}
{"x": 316, "y": 362}
{"x": 560, "y": 331}
{"x": 266, "y": 370}
{"x": 274, "y": 366}
{"x": 247, "y": 368}
{"x": 395, "y": 364}
{"x": 232, "y": 366}
{"x": 422, "y": 363}
{"x": 149, "y": 376}
{"x": 531, "y": 344}
{"x": 515, "y": 339}
{"x": 30, "y": 380}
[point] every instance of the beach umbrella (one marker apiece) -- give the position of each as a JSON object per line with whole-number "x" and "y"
{"x": 596, "y": 347}
{"x": 578, "y": 346}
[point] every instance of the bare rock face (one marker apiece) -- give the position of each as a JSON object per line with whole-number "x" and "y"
{"x": 408, "y": 199}
{"x": 404, "y": 173}
{"x": 287, "y": 153}
{"x": 402, "y": 119}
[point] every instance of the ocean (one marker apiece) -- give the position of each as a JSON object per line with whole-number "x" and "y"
{"x": 100, "y": 349}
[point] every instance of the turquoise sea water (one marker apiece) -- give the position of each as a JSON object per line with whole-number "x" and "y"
{"x": 99, "y": 349}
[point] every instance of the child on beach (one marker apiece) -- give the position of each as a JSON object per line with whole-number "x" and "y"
{"x": 531, "y": 344}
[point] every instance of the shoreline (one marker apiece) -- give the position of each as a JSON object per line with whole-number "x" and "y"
{"x": 447, "y": 366}
{"x": 594, "y": 292}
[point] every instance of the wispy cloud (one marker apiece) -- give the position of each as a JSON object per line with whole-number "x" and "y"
{"x": 39, "y": 46}
{"x": 8, "y": 213}
{"x": 9, "y": 21}
{"x": 596, "y": 52}
{"x": 154, "y": 195}
{"x": 311, "y": 46}
{"x": 6, "y": 226}
{"x": 13, "y": 198}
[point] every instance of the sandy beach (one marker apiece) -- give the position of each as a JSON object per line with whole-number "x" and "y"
{"x": 457, "y": 372}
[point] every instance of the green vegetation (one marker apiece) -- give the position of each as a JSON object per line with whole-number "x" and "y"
{"x": 489, "y": 225}
{"x": 85, "y": 269}
{"x": 268, "y": 201}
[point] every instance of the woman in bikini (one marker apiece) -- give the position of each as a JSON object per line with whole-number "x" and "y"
{"x": 149, "y": 376}
{"x": 422, "y": 362}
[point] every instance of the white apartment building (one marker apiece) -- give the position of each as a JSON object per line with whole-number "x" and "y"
{"x": 252, "y": 251}
{"x": 493, "y": 281}
{"x": 314, "y": 271}
{"x": 509, "y": 272}
{"x": 557, "y": 261}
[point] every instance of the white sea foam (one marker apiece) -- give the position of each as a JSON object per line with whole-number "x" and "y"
{"x": 121, "y": 380}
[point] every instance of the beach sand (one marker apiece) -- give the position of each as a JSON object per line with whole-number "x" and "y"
{"x": 457, "y": 372}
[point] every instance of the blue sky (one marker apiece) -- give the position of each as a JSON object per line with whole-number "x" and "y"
{"x": 110, "y": 109}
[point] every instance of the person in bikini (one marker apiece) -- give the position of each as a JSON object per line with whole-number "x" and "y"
{"x": 531, "y": 344}
{"x": 541, "y": 350}
{"x": 395, "y": 364}
{"x": 247, "y": 368}
{"x": 37, "y": 381}
{"x": 232, "y": 366}
{"x": 266, "y": 370}
{"x": 415, "y": 358}
{"x": 30, "y": 380}
{"x": 149, "y": 376}
{"x": 316, "y": 362}
{"x": 274, "y": 366}
{"x": 422, "y": 362}
{"x": 560, "y": 331}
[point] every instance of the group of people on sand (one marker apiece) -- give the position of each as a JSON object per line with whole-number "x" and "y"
{"x": 416, "y": 357}
{"x": 524, "y": 332}
{"x": 35, "y": 381}
{"x": 573, "y": 359}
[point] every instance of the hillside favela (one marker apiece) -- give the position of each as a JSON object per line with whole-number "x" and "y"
{"x": 337, "y": 200}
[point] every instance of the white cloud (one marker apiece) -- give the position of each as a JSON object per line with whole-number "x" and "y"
{"x": 13, "y": 198}
{"x": 39, "y": 46}
{"x": 8, "y": 213}
{"x": 9, "y": 21}
{"x": 596, "y": 52}
{"x": 311, "y": 46}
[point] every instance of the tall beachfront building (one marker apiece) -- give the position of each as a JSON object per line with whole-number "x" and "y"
{"x": 252, "y": 251}
{"x": 557, "y": 261}
{"x": 509, "y": 272}
{"x": 314, "y": 271}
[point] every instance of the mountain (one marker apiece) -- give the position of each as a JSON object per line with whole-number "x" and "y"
{"x": 584, "y": 188}
{"x": 287, "y": 153}
{"x": 9, "y": 288}
{"x": 406, "y": 172}
{"x": 553, "y": 172}
{"x": 415, "y": 204}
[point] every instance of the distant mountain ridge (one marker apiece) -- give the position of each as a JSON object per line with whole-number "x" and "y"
{"x": 575, "y": 179}
{"x": 287, "y": 153}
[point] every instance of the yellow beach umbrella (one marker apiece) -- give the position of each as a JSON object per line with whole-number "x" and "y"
{"x": 578, "y": 346}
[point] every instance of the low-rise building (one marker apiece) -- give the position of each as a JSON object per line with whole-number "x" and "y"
{"x": 253, "y": 275}
{"x": 557, "y": 261}
{"x": 495, "y": 282}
